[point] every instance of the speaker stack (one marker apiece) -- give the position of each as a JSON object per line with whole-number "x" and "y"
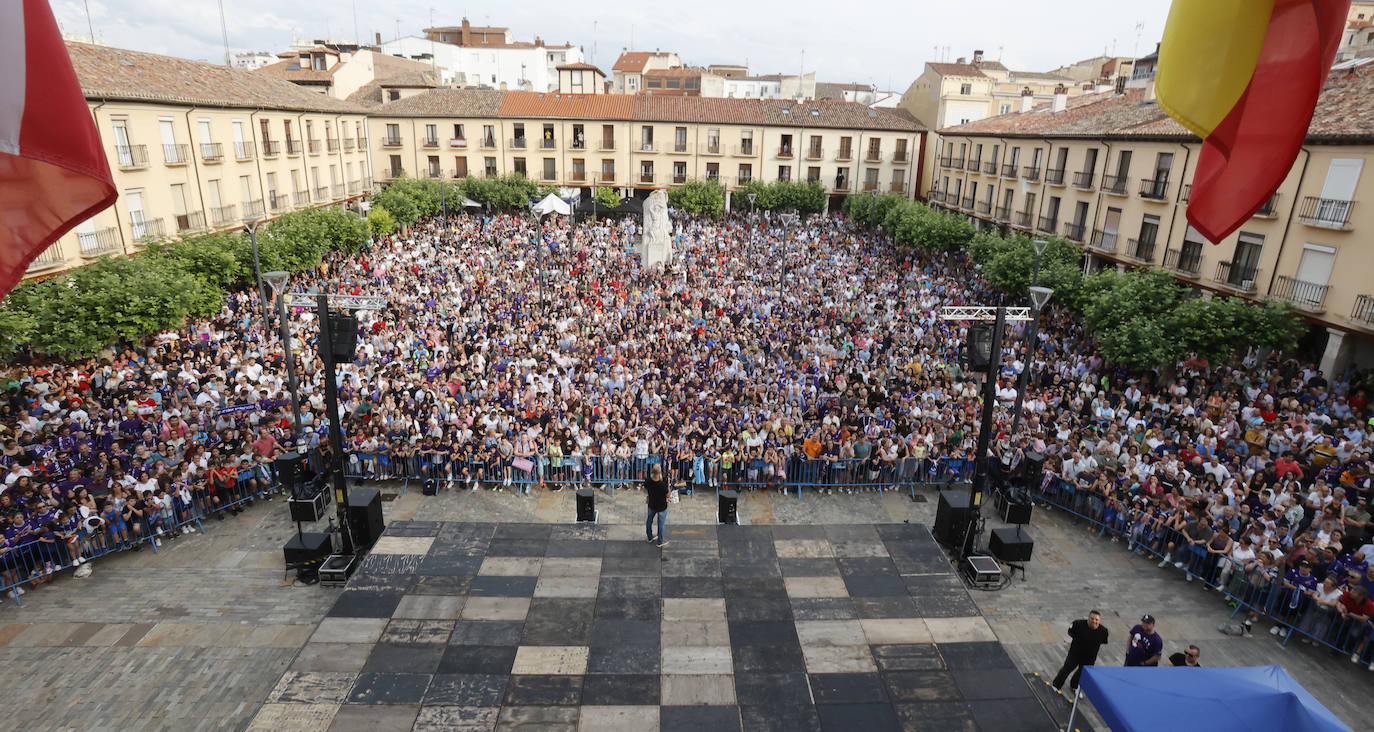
{"x": 343, "y": 331}
{"x": 1010, "y": 545}
{"x": 952, "y": 518}
{"x": 365, "y": 517}
{"x": 727, "y": 511}
{"x": 586, "y": 506}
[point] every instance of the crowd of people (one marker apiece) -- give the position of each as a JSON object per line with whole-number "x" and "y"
{"x": 519, "y": 354}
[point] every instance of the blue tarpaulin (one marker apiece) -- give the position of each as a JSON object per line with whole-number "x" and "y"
{"x": 1247, "y": 699}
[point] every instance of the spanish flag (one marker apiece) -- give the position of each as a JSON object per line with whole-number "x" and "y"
{"x": 1244, "y": 75}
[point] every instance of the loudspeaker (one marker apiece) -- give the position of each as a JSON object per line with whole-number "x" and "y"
{"x": 430, "y": 487}
{"x": 979, "y": 347}
{"x": 586, "y": 505}
{"x": 728, "y": 508}
{"x": 291, "y": 469}
{"x": 365, "y": 517}
{"x": 306, "y": 551}
{"x": 308, "y": 509}
{"x": 343, "y": 336}
{"x": 1010, "y": 545}
{"x": 1016, "y": 511}
{"x": 952, "y": 517}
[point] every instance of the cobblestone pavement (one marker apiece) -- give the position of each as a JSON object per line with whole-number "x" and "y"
{"x": 196, "y": 635}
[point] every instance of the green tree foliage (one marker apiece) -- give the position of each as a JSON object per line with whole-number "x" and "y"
{"x": 380, "y": 221}
{"x": 607, "y": 198}
{"x": 784, "y": 195}
{"x": 701, "y": 197}
{"x": 1009, "y": 264}
{"x": 506, "y": 193}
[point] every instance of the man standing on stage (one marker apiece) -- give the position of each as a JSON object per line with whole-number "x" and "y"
{"x": 1144, "y": 646}
{"x": 1088, "y": 637}
{"x": 656, "y": 492}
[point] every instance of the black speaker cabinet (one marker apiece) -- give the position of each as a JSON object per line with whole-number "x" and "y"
{"x": 728, "y": 508}
{"x": 952, "y": 517}
{"x": 1016, "y": 512}
{"x": 291, "y": 468}
{"x": 308, "y": 509}
{"x": 343, "y": 331}
{"x": 365, "y": 517}
{"x": 1011, "y": 545}
{"x": 586, "y": 505}
{"x": 306, "y": 550}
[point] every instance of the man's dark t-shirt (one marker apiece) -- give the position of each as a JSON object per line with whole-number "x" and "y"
{"x": 1086, "y": 641}
{"x": 657, "y": 493}
{"x": 1179, "y": 659}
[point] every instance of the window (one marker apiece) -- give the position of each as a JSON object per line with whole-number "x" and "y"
{"x": 607, "y": 137}
{"x": 813, "y": 173}
{"x": 646, "y": 138}
{"x": 458, "y": 132}
{"x": 654, "y": 83}
{"x": 875, "y": 149}
{"x": 965, "y": 89}
{"x": 674, "y": 84}
{"x": 680, "y": 139}
{"x": 713, "y": 140}
{"x": 899, "y": 180}
{"x": 460, "y": 166}
{"x": 245, "y": 189}
{"x": 393, "y": 134}
{"x": 679, "y": 172}
{"x": 431, "y": 134}
{"x": 579, "y": 169}
{"x": 546, "y": 142}
{"x": 746, "y": 173}
{"x": 489, "y": 135}
{"x": 433, "y": 166}
{"x": 1004, "y": 109}
{"x": 713, "y": 171}
{"x": 607, "y": 170}
{"x": 392, "y": 95}
{"x": 489, "y": 167}
{"x": 646, "y": 171}
{"x": 815, "y": 149}
{"x": 692, "y": 83}
{"x": 518, "y": 129}
{"x": 846, "y": 145}
{"x": 842, "y": 178}
{"x": 550, "y": 171}
{"x": 1245, "y": 261}
{"x": 520, "y": 167}
{"x": 579, "y": 140}
{"x": 746, "y": 142}
{"x": 122, "y": 147}
{"x": 784, "y": 172}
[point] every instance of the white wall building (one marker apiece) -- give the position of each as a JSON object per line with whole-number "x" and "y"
{"x": 528, "y": 66}
{"x": 251, "y": 60}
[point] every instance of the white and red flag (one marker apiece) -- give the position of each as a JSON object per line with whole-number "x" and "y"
{"x": 53, "y": 170}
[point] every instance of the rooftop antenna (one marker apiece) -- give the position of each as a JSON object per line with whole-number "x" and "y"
{"x": 398, "y": 29}
{"x": 593, "y": 42}
{"x": 432, "y": 62}
{"x": 1139, "y": 27}
{"x": 91, "y": 27}
{"x": 632, "y": 36}
{"x": 999, "y": 54}
{"x": 357, "y": 38}
{"x": 223, "y": 30}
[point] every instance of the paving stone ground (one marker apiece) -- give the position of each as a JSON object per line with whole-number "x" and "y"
{"x": 199, "y": 635}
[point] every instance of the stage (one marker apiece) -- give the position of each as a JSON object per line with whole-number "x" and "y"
{"x": 781, "y": 627}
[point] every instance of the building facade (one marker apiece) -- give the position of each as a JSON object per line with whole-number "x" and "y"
{"x": 1113, "y": 173}
{"x": 468, "y": 55}
{"x": 638, "y": 143}
{"x": 198, "y": 147}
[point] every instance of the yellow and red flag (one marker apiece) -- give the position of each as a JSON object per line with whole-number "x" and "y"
{"x": 1244, "y": 75}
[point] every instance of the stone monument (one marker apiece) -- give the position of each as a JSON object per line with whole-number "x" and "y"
{"x": 658, "y": 235}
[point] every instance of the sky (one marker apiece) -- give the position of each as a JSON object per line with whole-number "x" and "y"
{"x": 878, "y": 42}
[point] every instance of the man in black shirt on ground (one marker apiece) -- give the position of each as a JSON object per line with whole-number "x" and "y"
{"x": 656, "y": 492}
{"x": 1088, "y": 637}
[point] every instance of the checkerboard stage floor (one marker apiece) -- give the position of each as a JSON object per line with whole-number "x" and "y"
{"x": 501, "y": 626}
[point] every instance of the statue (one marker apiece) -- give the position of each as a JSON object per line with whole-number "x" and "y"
{"x": 658, "y": 241}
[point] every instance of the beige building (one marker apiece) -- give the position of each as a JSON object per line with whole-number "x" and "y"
{"x": 196, "y": 147}
{"x": 341, "y": 73}
{"x": 638, "y": 143}
{"x": 1113, "y": 172}
{"x": 627, "y": 74}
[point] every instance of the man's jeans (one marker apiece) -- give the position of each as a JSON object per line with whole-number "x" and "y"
{"x": 649, "y": 524}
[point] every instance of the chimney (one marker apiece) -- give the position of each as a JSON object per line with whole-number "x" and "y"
{"x": 961, "y": 60}
{"x": 1120, "y": 85}
{"x": 1027, "y": 99}
{"x": 466, "y": 38}
{"x": 1061, "y": 99}
{"x": 379, "y": 39}
{"x": 538, "y": 43}
{"x": 977, "y": 57}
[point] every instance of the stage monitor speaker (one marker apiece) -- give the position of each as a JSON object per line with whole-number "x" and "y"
{"x": 343, "y": 331}
{"x": 586, "y": 505}
{"x": 306, "y": 551}
{"x": 365, "y": 517}
{"x": 728, "y": 509}
{"x": 952, "y": 517}
{"x": 1010, "y": 545}
{"x": 1016, "y": 511}
{"x": 308, "y": 510}
{"x": 291, "y": 469}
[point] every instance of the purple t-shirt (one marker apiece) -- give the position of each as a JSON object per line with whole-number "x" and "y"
{"x": 1143, "y": 646}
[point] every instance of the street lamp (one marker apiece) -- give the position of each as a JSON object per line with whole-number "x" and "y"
{"x": 752, "y": 196}
{"x": 252, "y": 226}
{"x": 1039, "y": 297}
{"x": 278, "y": 281}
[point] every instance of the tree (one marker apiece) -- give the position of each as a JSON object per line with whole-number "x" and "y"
{"x": 380, "y": 221}
{"x": 701, "y": 197}
{"x": 212, "y": 258}
{"x": 399, "y": 204}
{"x": 858, "y": 208}
{"x": 1009, "y": 264}
{"x": 607, "y": 198}
{"x": 1130, "y": 316}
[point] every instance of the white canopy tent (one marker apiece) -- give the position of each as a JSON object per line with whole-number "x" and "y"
{"x": 552, "y": 204}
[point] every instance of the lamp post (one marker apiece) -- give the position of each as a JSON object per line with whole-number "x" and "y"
{"x": 752, "y": 196}
{"x": 252, "y": 226}
{"x": 1039, "y": 296}
{"x": 278, "y": 281}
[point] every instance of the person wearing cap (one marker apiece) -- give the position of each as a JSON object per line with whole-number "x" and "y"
{"x": 1299, "y": 586}
{"x": 1144, "y": 646}
{"x": 1087, "y": 635}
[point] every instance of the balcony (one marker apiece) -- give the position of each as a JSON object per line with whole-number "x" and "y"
{"x": 815, "y": 153}
{"x": 1083, "y": 180}
{"x": 1114, "y": 184}
{"x": 146, "y": 229}
{"x": 1238, "y": 278}
{"x": 1009, "y": 171}
{"x": 679, "y": 179}
{"x": 608, "y": 145}
{"x": 434, "y": 173}
{"x": 578, "y": 176}
{"x": 876, "y": 156}
{"x": 252, "y": 209}
{"x": 646, "y": 147}
{"x": 870, "y": 186}
{"x": 841, "y": 184}
{"x": 947, "y": 161}
{"x": 331, "y": 144}
{"x": 1002, "y": 213}
{"x": 176, "y": 154}
{"x": 1074, "y": 231}
{"x": 278, "y": 201}
{"x": 102, "y": 241}
{"x": 301, "y": 198}
{"x": 336, "y": 190}
{"x": 348, "y": 144}
{"x": 984, "y": 207}
{"x": 1103, "y": 241}
{"x": 1031, "y": 173}
{"x": 211, "y": 152}
{"x": 47, "y": 259}
{"x": 745, "y": 150}
{"x": 967, "y": 203}
{"x": 489, "y": 143}
{"x": 433, "y": 142}
{"x": 1154, "y": 189}
{"x": 1186, "y": 263}
{"x": 547, "y": 143}
{"x": 900, "y": 157}
{"x": 785, "y": 152}
{"x": 1187, "y": 192}
{"x": 1363, "y": 312}
{"x": 354, "y": 187}
{"x": 223, "y": 215}
{"x": 844, "y": 155}
{"x": 1047, "y": 224}
{"x": 1308, "y": 296}
{"x": 646, "y": 179}
{"x": 313, "y": 146}
{"x": 973, "y": 165}
{"x": 680, "y": 148}
{"x": 932, "y": 195}
{"x": 367, "y": 183}
{"x": 395, "y": 173}
{"x": 1054, "y": 176}
{"x": 1021, "y": 219}
{"x": 1326, "y": 213}
{"x": 390, "y": 141}
{"x": 956, "y": 163}
{"x": 1141, "y": 250}
{"x": 293, "y": 147}
{"x": 132, "y": 157}
{"x": 243, "y": 151}
{"x": 1270, "y": 209}
{"x": 322, "y": 193}
{"x": 190, "y": 221}
{"x": 607, "y": 176}
{"x": 897, "y": 187}
{"x": 271, "y": 148}
{"x": 744, "y": 179}
{"x": 516, "y": 143}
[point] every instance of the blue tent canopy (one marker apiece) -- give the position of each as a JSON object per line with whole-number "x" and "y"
{"x": 1247, "y": 699}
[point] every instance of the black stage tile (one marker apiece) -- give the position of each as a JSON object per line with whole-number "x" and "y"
{"x": 851, "y": 532}
{"x": 758, "y": 609}
{"x": 939, "y": 585}
{"x": 477, "y": 660}
{"x": 744, "y": 552}
{"x": 693, "y": 586}
{"x": 622, "y": 587}
{"x": 578, "y": 532}
{"x": 486, "y": 633}
{"x": 573, "y": 548}
{"x": 939, "y": 716}
{"x": 403, "y": 658}
{"x": 440, "y": 565}
{"x": 385, "y": 567}
{"x": 413, "y": 528}
{"x": 623, "y": 659}
{"x": 901, "y": 534}
{"x": 991, "y": 683}
{"x": 466, "y": 690}
{"x": 621, "y": 689}
{"x": 558, "y": 621}
{"x": 769, "y": 688}
{"x": 867, "y": 566}
{"x": 697, "y": 719}
{"x": 1011, "y": 715}
{"x": 948, "y": 606}
{"x": 797, "y": 531}
{"x": 629, "y": 608}
{"x": 753, "y": 587}
{"x": 762, "y": 633}
{"x": 908, "y": 561}
{"x": 638, "y": 566}
{"x": 382, "y": 582}
{"x": 921, "y": 686}
{"x": 875, "y": 585}
{"x": 749, "y": 568}
{"x": 680, "y": 565}
{"x": 517, "y": 548}
{"x": 770, "y": 659}
{"x": 987, "y": 655}
{"x": 848, "y": 689}
{"x": 498, "y": 586}
{"x": 612, "y": 631}
{"x": 909, "y": 657}
{"x": 389, "y": 689}
{"x": 781, "y": 718}
{"x": 885, "y": 607}
{"x": 527, "y": 532}
{"x": 543, "y": 691}
{"x": 867, "y": 717}
{"x": 823, "y": 608}
{"x": 628, "y": 549}
{"x": 455, "y": 584}
{"x": 366, "y": 604}
{"x": 809, "y": 567}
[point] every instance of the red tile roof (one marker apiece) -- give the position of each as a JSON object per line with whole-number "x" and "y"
{"x": 582, "y": 66}
{"x": 633, "y": 61}
{"x": 956, "y": 70}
